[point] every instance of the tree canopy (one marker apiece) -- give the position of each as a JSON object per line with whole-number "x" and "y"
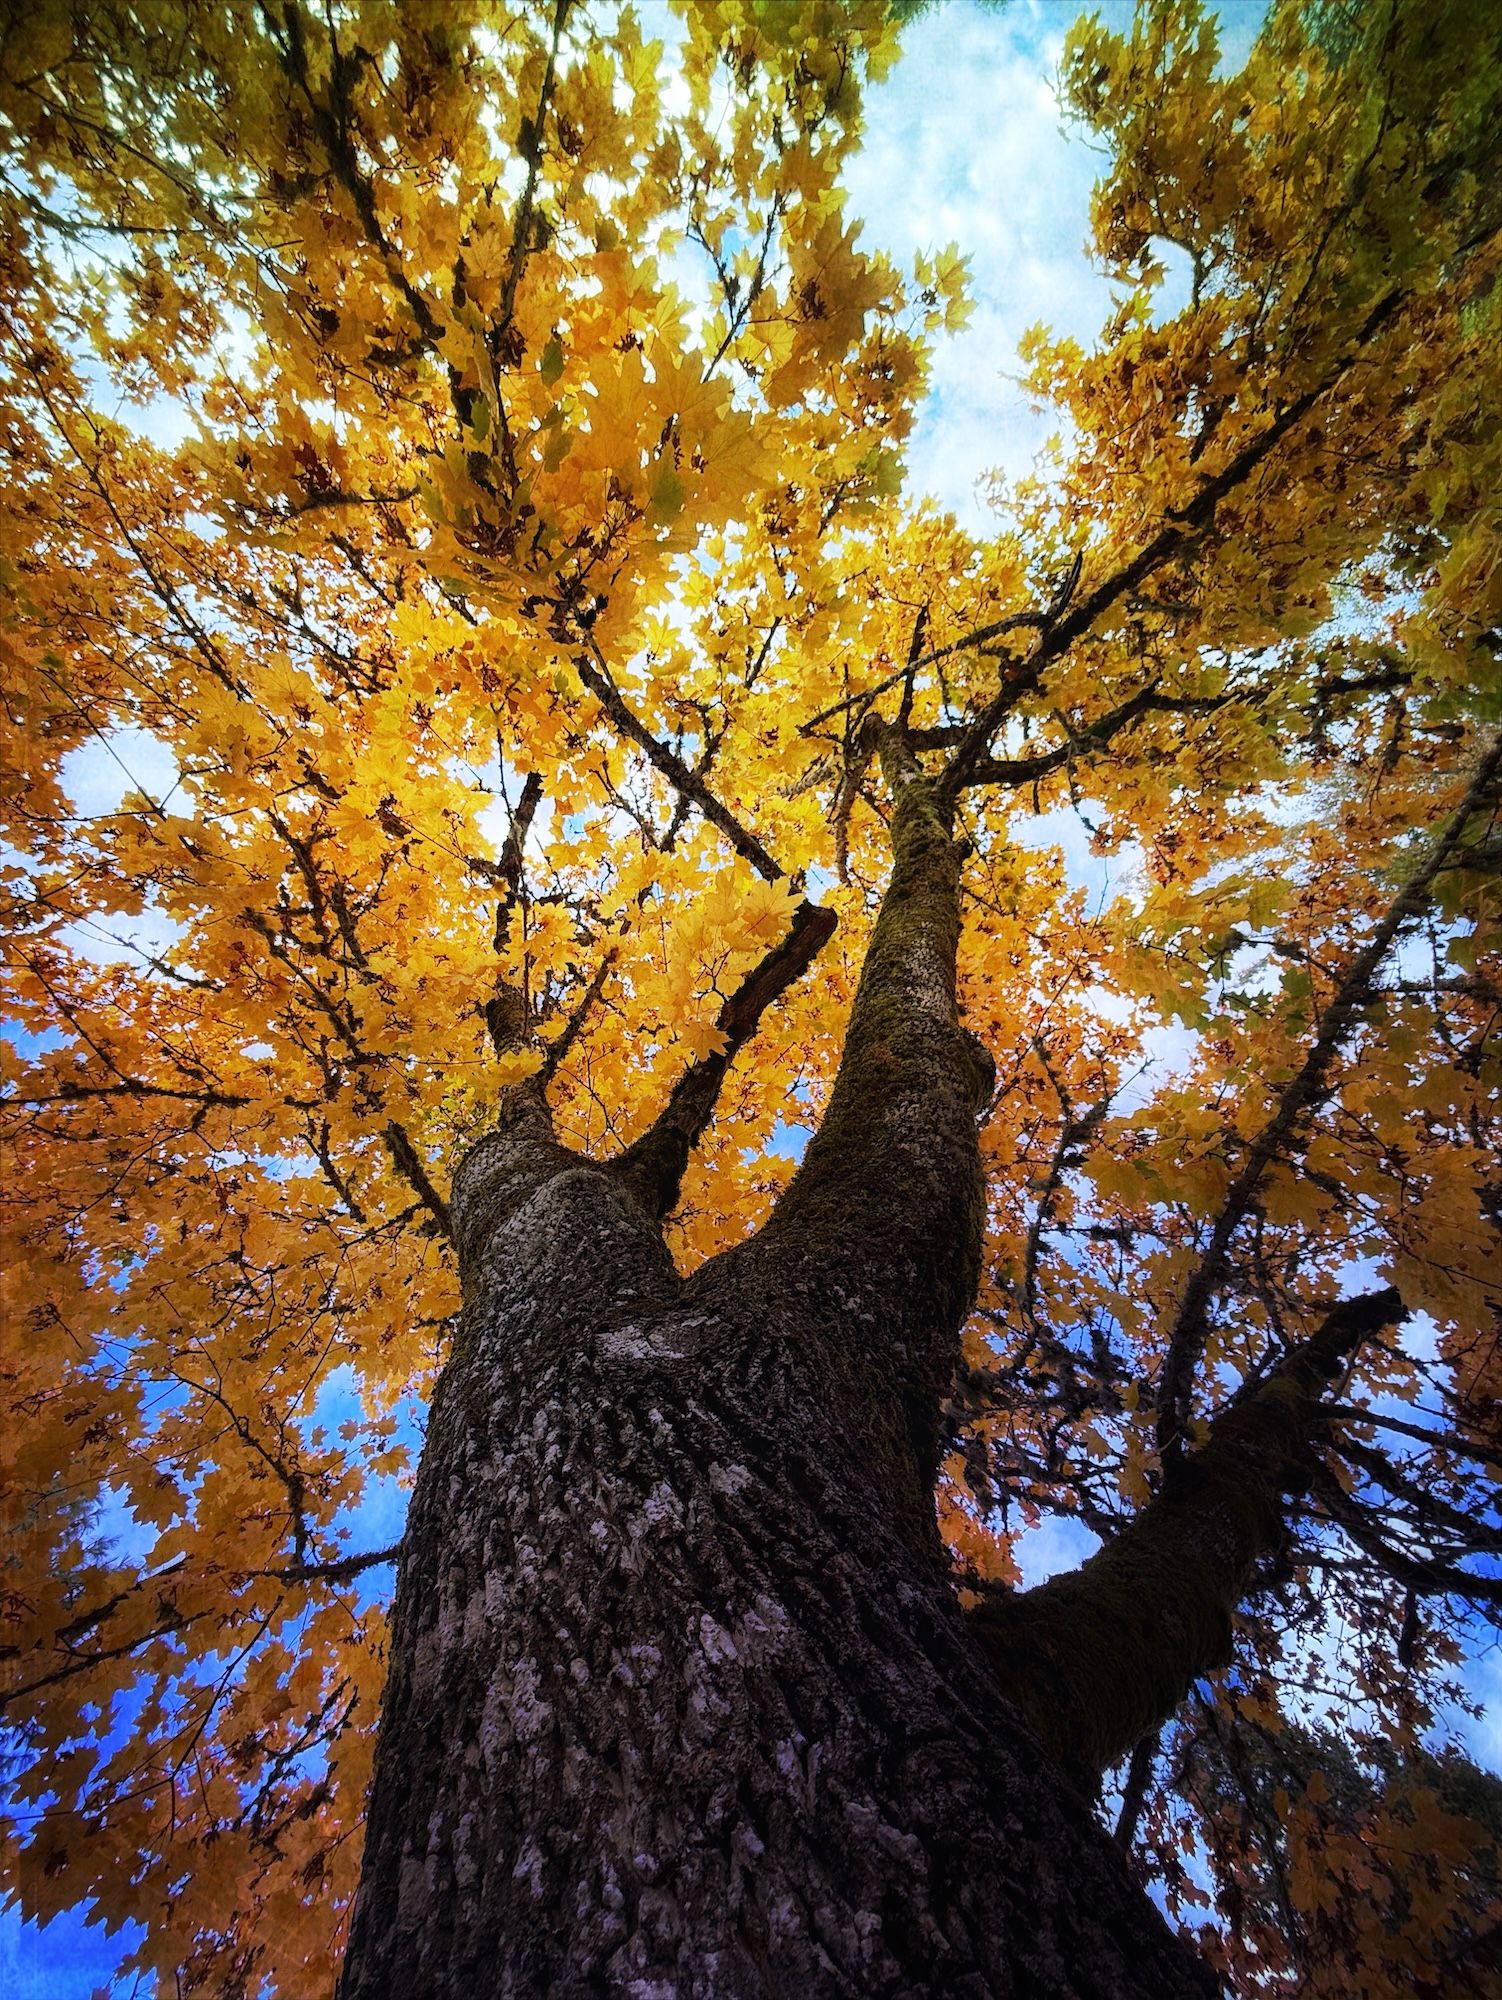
{"x": 471, "y": 438}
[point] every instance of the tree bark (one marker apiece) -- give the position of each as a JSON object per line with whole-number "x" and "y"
{"x": 682, "y": 1705}
{"x": 676, "y": 1708}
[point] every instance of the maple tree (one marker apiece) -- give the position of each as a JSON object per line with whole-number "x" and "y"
{"x": 590, "y": 768}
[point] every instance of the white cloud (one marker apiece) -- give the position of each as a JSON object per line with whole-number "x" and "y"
{"x": 116, "y": 938}
{"x": 1070, "y": 829}
{"x": 965, "y": 143}
{"x": 96, "y": 776}
{"x": 1168, "y": 1050}
{"x": 1056, "y": 1545}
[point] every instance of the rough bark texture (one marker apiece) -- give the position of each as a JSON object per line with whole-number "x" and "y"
{"x": 675, "y": 1708}
{"x": 681, "y": 1702}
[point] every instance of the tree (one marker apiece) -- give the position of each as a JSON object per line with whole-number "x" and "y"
{"x": 590, "y": 768}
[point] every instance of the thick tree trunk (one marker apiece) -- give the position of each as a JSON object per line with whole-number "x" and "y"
{"x": 682, "y": 1705}
{"x": 678, "y": 1704}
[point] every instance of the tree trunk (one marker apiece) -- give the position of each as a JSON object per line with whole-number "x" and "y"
{"x": 679, "y": 1703}
{"x": 682, "y": 1705}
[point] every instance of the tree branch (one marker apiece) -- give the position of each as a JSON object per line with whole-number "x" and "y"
{"x": 656, "y": 1161}
{"x": 690, "y": 783}
{"x": 170, "y": 1620}
{"x": 558, "y": 1050}
{"x": 1075, "y": 617}
{"x": 408, "y": 1163}
{"x": 1093, "y": 736}
{"x": 333, "y": 122}
{"x": 1134, "y": 1792}
{"x": 507, "y": 872}
{"x": 1302, "y": 1093}
{"x": 878, "y": 1235}
{"x": 1418, "y": 1573}
{"x": 532, "y": 150}
{"x": 1101, "y": 1658}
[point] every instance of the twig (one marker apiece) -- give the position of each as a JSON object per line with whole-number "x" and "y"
{"x": 558, "y": 1050}
{"x": 596, "y": 678}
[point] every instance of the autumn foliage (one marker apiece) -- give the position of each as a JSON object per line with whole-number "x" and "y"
{"x": 471, "y": 439}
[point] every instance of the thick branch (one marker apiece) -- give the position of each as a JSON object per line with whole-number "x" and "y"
{"x": 877, "y": 1238}
{"x": 1093, "y": 736}
{"x": 507, "y": 1016}
{"x": 655, "y": 1163}
{"x": 408, "y": 1163}
{"x": 1102, "y": 1657}
{"x": 507, "y": 872}
{"x": 1134, "y": 1792}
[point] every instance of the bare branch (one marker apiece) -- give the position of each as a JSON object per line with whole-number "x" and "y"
{"x": 558, "y": 1050}
{"x": 1166, "y": 1587}
{"x": 664, "y": 758}
{"x": 1417, "y": 1573}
